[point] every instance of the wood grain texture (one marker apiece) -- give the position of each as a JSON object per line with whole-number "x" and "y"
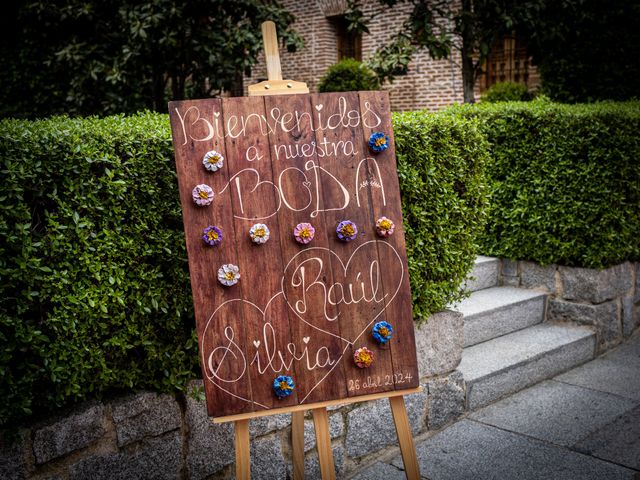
{"x": 405, "y": 438}
{"x": 297, "y": 444}
{"x": 197, "y": 130}
{"x": 300, "y": 188}
{"x": 386, "y": 201}
{"x": 255, "y": 200}
{"x": 298, "y": 310}
{"x": 323, "y": 443}
{"x": 243, "y": 452}
{"x": 357, "y": 260}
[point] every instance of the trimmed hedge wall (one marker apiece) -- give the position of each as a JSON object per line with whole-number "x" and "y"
{"x": 564, "y": 180}
{"x": 94, "y": 283}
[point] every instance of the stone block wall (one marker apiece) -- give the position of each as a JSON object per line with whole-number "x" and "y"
{"x": 607, "y": 300}
{"x": 153, "y": 436}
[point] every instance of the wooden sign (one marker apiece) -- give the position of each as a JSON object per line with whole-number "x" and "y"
{"x": 297, "y": 310}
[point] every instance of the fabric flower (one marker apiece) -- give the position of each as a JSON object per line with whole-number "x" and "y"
{"x": 363, "y": 357}
{"x": 283, "y": 386}
{"x": 382, "y": 331}
{"x": 385, "y": 227}
{"x": 304, "y": 233}
{"x": 228, "y": 274}
{"x": 347, "y": 230}
{"x": 213, "y": 161}
{"x": 202, "y": 195}
{"x": 378, "y": 142}
{"x": 259, "y": 233}
{"x": 212, "y": 235}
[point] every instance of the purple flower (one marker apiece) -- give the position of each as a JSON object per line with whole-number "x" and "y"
{"x": 283, "y": 386}
{"x": 202, "y": 195}
{"x": 347, "y": 230}
{"x": 212, "y": 235}
{"x": 304, "y": 233}
{"x": 378, "y": 142}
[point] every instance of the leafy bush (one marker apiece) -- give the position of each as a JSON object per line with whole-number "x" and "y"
{"x": 441, "y": 161}
{"x": 506, "y": 92}
{"x": 348, "y": 75}
{"x": 564, "y": 180}
{"x": 94, "y": 282}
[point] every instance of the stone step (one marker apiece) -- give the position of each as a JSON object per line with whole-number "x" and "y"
{"x": 496, "y": 311}
{"x": 484, "y": 274}
{"x": 507, "y": 364}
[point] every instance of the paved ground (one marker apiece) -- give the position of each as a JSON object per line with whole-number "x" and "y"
{"x": 583, "y": 424}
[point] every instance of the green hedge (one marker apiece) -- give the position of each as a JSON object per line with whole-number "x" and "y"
{"x": 94, "y": 286}
{"x": 564, "y": 180}
{"x": 441, "y": 161}
{"x": 348, "y": 75}
{"x": 93, "y": 272}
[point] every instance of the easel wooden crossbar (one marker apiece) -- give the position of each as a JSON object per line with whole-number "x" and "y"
{"x": 275, "y": 85}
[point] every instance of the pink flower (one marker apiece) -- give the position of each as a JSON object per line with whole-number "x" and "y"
{"x": 385, "y": 227}
{"x": 363, "y": 357}
{"x": 304, "y": 233}
{"x": 202, "y": 195}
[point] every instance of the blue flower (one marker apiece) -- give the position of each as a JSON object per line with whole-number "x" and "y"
{"x": 382, "y": 331}
{"x": 378, "y": 142}
{"x": 283, "y": 386}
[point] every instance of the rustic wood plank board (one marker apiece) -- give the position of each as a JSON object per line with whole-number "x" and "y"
{"x": 255, "y": 199}
{"x": 295, "y": 169}
{"x": 384, "y": 191}
{"x": 196, "y": 129}
{"x": 360, "y": 299}
{"x": 298, "y": 310}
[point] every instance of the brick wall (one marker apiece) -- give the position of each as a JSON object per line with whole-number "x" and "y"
{"x": 429, "y": 83}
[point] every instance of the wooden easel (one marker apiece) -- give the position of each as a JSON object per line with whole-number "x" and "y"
{"x": 275, "y": 85}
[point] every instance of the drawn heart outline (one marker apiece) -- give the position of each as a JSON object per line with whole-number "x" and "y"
{"x": 263, "y": 312}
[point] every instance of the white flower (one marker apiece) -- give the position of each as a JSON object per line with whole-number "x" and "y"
{"x": 228, "y": 274}
{"x": 259, "y": 233}
{"x": 213, "y": 161}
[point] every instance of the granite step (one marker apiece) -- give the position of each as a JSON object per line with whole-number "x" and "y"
{"x": 497, "y": 311}
{"x": 507, "y": 364}
{"x": 484, "y": 274}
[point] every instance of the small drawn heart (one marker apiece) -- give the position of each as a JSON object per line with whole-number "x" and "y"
{"x": 306, "y": 339}
{"x": 319, "y": 107}
{"x": 256, "y": 343}
{"x": 216, "y": 114}
{"x": 307, "y": 184}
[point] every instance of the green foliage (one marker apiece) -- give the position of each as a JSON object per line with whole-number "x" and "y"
{"x": 564, "y": 181}
{"x": 586, "y": 50}
{"x": 441, "y": 161}
{"x": 348, "y": 75}
{"x": 94, "y": 282}
{"x": 440, "y": 27}
{"x": 95, "y": 57}
{"x": 506, "y": 92}
{"x": 94, "y": 286}
{"x": 392, "y": 59}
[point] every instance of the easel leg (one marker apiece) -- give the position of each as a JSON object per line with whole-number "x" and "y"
{"x": 405, "y": 438}
{"x": 297, "y": 444}
{"x": 323, "y": 443}
{"x": 243, "y": 465}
